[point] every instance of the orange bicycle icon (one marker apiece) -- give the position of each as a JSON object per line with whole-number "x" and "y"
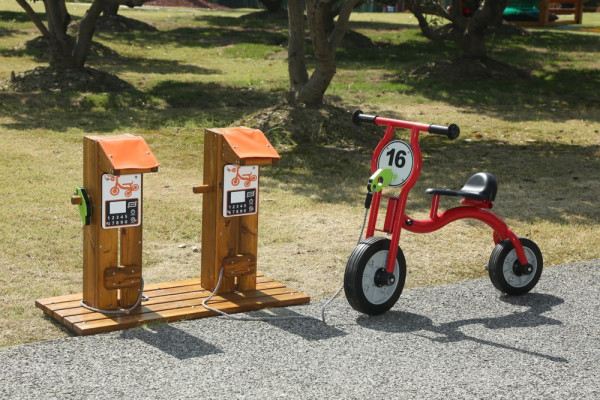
{"x": 247, "y": 178}
{"x": 129, "y": 187}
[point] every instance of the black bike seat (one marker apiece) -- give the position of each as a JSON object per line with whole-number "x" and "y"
{"x": 481, "y": 186}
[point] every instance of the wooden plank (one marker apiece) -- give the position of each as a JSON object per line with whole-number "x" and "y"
{"x": 259, "y": 161}
{"x": 124, "y": 276}
{"x": 172, "y": 301}
{"x": 202, "y": 189}
{"x": 59, "y": 299}
{"x": 191, "y": 312}
{"x": 227, "y": 228}
{"x": 151, "y": 290}
{"x": 100, "y": 246}
{"x": 209, "y": 211}
{"x": 216, "y": 229}
{"x": 194, "y": 301}
{"x": 155, "y": 296}
{"x": 238, "y": 265}
{"x": 90, "y": 167}
{"x": 131, "y": 255}
{"x": 248, "y": 244}
{"x": 76, "y": 309}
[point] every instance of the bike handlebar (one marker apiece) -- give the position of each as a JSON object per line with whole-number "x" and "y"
{"x": 451, "y": 131}
{"x": 358, "y": 117}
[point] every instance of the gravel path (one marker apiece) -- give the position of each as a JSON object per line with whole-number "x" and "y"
{"x": 462, "y": 340}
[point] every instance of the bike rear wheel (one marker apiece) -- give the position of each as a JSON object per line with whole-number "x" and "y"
{"x": 504, "y": 267}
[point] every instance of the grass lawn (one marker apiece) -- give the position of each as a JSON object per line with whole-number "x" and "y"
{"x": 202, "y": 68}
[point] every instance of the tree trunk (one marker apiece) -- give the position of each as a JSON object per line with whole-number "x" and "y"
{"x": 468, "y": 32}
{"x": 65, "y": 52}
{"x": 110, "y": 9}
{"x": 296, "y": 50}
{"x": 60, "y": 43}
{"x": 472, "y": 45}
{"x": 305, "y": 90}
{"x": 86, "y": 32}
{"x": 313, "y": 91}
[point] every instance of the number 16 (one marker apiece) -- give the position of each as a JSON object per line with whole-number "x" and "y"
{"x": 399, "y": 160}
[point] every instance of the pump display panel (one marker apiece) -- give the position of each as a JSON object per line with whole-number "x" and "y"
{"x": 121, "y": 201}
{"x": 240, "y": 190}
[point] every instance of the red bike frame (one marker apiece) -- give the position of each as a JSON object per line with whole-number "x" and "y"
{"x": 473, "y": 209}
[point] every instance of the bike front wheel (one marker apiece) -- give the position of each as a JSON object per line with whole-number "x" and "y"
{"x": 362, "y": 284}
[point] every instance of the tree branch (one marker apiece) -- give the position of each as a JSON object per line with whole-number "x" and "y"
{"x": 86, "y": 32}
{"x": 415, "y": 7}
{"x": 34, "y": 18}
{"x": 342, "y": 23}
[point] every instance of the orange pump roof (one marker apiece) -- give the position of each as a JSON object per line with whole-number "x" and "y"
{"x": 128, "y": 152}
{"x": 248, "y": 142}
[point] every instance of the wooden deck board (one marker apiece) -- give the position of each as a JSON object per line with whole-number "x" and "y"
{"x": 168, "y": 302}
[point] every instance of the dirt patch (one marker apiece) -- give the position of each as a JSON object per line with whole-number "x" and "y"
{"x": 325, "y": 125}
{"x": 49, "y": 79}
{"x": 466, "y": 69}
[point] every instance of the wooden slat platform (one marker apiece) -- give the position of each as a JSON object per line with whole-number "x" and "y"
{"x": 168, "y": 302}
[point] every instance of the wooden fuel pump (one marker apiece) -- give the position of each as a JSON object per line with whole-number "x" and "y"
{"x": 232, "y": 157}
{"x": 110, "y": 204}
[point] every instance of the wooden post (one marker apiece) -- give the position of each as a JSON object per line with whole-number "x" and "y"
{"x": 544, "y": 12}
{"x": 230, "y": 243}
{"x": 100, "y": 246}
{"x": 578, "y": 4}
{"x": 216, "y": 237}
{"x": 248, "y": 244}
{"x": 131, "y": 259}
{"x": 112, "y": 263}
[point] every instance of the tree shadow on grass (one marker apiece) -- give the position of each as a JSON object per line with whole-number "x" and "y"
{"x": 515, "y": 98}
{"x": 211, "y": 95}
{"x": 151, "y": 66}
{"x": 107, "y": 112}
{"x": 571, "y": 91}
{"x": 244, "y": 21}
{"x": 551, "y": 40}
{"x": 37, "y": 48}
{"x": 380, "y": 25}
{"x": 19, "y": 16}
{"x": 8, "y": 32}
{"x": 102, "y": 55}
{"x": 543, "y": 181}
{"x": 193, "y": 37}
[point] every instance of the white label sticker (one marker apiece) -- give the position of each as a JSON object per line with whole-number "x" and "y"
{"x": 397, "y": 156}
{"x": 121, "y": 200}
{"x": 240, "y": 190}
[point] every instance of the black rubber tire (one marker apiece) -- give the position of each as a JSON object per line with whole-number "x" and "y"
{"x": 503, "y": 277}
{"x": 354, "y": 284}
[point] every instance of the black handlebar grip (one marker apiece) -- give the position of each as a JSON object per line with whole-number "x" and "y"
{"x": 451, "y": 132}
{"x": 359, "y": 117}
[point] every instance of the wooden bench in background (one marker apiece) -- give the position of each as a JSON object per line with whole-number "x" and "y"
{"x": 549, "y": 7}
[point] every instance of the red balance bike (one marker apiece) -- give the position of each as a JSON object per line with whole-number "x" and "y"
{"x": 376, "y": 270}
